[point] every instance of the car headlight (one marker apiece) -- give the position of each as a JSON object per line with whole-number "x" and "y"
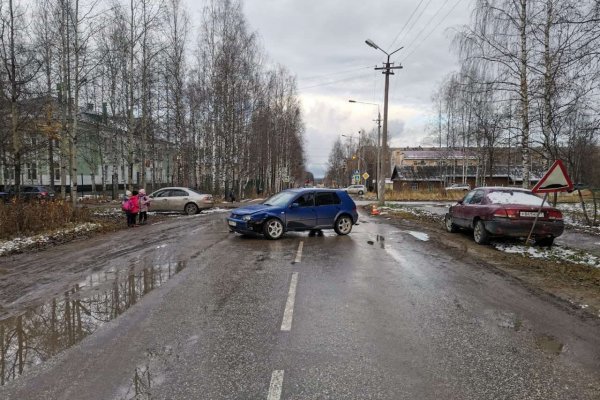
{"x": 246, "y": 217}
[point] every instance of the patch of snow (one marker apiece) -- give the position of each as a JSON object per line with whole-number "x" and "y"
{"x": 107, "y": 212}
{"x": 161, "y": 246}
{"x": 21, "y": 243}
{"x": 555, "y": 253}
{"x": 419, "y": 235}
{"x": 419, "y": 212}
{"x": 215, "y": 210}
{"x": 516, "y": 197}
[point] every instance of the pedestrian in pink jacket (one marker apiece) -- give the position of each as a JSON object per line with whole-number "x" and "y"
{"x": 144, "y": 202}
{"x": 131, "y": 207}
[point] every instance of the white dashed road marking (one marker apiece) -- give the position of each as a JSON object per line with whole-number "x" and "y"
{"x": 299, "y": 253}
{"x": 286, "y": 324}
{"x": 276, "y": 385}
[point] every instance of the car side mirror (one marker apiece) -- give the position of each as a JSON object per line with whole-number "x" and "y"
{"x": 460, "y": 201}
{"x": 294, "y": 205}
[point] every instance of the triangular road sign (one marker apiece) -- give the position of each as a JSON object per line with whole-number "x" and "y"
{"x": 555, "y": 180}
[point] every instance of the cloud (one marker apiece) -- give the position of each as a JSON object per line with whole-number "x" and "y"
{"x": 322, "y": 43}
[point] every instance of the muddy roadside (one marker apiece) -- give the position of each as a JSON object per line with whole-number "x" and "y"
{"x": 102, "y": 218}
{"x": 577, "y": 286}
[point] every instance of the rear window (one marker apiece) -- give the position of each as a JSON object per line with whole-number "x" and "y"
{"x": 327, "y": 198}
{"x": 178, "y": 193}
{"x": 515, "y": 197}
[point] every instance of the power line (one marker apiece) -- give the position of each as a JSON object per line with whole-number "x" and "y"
{"x": 333, "y": 82}
{"x": 427, "y": 25}
{"x": 310, "y": 78}
{"x": 405, "y": 25}
{"x": 433, "y": 30}
{"x": 416, "y": 20}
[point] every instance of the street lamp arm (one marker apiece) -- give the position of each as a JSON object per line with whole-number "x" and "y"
{"x": 362, "y": 102}
{"x": 395, "y": 51}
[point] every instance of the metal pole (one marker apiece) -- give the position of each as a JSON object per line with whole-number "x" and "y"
{"x": 536, "y": 218}
{"x": 384, "y": 169}
{"x": 358, "y": 155}
{"x": 378, "y": 168}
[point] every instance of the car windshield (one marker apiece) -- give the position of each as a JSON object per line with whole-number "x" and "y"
{"x": 280, "y": 199}
{"x": 515, "y": 197}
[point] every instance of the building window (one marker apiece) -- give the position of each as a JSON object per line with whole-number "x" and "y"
{"x": 31, "y": 171}
{"x": 9, "y": 173}
{"x": 56, "y": 173}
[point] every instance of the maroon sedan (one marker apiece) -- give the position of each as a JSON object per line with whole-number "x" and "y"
{"x": 508, "y": 212}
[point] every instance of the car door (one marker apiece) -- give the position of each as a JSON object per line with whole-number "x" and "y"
{"x": 459, "y": 210}
{"x": 28, "y": 192}
{"x": 474, "y": 208}
{"x": 301, "y": 212}
{"x": 160, "y": 200}
{"x": 327, "y": 206}
{"x": 177, "y": 199}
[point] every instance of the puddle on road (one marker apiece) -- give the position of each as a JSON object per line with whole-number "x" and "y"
{"x": 549, "y": 344}
{"x": 35, "y": 336}
{"x": 419, "y": 235}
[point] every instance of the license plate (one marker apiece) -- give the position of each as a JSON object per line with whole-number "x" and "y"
{"x": 232, "y": 223}
{"x": 531, "y": 214}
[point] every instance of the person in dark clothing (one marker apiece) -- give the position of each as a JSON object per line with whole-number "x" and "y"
{"x": 231, "y": 196}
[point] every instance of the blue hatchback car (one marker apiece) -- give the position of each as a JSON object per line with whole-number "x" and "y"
{"x": 296, "y": 210}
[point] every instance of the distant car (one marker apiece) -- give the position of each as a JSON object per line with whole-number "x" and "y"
{"x": 296, "y": 210}
{"x": 33, "y": 192}
{"x": 356, "y": 189}
{"x": 458, "y": 186}
{"x": 181, "y": 199}
{"x": 508, "y": 212}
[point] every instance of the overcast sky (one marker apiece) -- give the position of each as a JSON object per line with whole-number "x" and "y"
{"x": 322, "y": 42}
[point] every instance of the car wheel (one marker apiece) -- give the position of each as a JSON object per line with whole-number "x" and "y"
{"x": 450, "y": 226}
{"x": 360, "y": 193}
{"x": 343, "y": 225}
{"x": 545, "y": 242}
{"x": 480, "y": 235}
{"x": 190, "y": 209}
{"x": 273, "y": 229}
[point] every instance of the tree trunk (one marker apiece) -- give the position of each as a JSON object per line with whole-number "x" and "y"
{"x": 524, "y": 95}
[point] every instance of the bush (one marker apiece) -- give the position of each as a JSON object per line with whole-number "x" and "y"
{"x": 33, "y": 217}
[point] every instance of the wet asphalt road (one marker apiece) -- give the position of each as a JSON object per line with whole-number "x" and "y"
{"x": 378, "y": 314}
{"x": 570, "y": 238}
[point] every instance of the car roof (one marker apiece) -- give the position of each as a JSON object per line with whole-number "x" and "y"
{"x": 303, "y": 190}
{"x": 503, "y": 188}
{"x": 174, "y": 187}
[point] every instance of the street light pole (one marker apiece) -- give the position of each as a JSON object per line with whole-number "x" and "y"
{"x": 387, "y": 70}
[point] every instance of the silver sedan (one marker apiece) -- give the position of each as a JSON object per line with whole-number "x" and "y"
{"x": 180, "y": 199}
